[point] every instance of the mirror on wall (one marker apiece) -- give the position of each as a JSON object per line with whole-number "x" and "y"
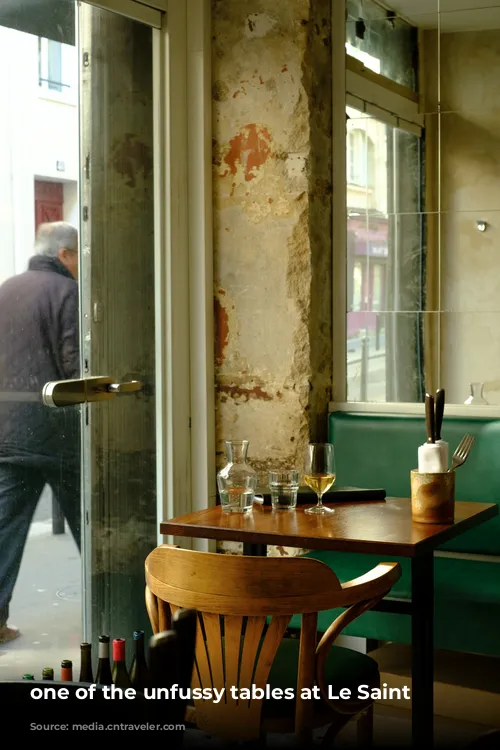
{"x": 423, "y": 199}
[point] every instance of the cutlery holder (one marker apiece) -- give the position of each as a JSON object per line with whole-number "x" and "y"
{"x": 432, "y": 497}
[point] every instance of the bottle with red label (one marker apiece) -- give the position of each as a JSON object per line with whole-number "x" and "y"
{"x": 66, "y": 670}
{"x": 120, "y": 674}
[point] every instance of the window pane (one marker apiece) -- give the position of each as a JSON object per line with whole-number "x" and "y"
{"x": 357, "y": 289}
{"x": 385, "y": 45}
{"x": 377, "y": 287}
{"x": 54, "y": 53}
{"x": 386, "y": 254}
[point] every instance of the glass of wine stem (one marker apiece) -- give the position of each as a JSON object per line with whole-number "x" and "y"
{"x": 319, "y": 473}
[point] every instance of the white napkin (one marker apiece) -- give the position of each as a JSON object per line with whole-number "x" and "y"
{"x": 445, "y": 453}
{"x": 430, "y": 459}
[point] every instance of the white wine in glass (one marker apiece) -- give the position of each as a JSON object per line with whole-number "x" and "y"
{"x": 319, "y": 473}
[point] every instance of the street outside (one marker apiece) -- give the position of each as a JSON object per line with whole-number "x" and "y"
{"x": 376, "y": 375}
{"x": 46, "y": 605}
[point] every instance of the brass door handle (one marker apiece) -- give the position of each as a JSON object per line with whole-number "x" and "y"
{"x": 59, "y": 393}
{"x": 131, "y": 387}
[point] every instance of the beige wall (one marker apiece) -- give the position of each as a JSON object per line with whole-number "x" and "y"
{"x": 470, "y": 190}
{"x": 272, "y": 225}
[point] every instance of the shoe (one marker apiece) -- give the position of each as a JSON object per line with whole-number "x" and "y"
{"x": 8, "y": 634}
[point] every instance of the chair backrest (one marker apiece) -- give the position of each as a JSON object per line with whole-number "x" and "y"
{"x": 244, "y": 605}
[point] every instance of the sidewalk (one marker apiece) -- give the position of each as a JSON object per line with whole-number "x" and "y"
{"x": 375, "y": 379}
{"x": 46, "y": 606}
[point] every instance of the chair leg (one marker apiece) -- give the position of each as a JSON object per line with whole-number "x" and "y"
{"x": 365, "y": 729}
{"x": 331, "y": 733}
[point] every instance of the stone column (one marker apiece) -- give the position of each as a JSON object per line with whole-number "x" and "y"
{"x": 272, "y": 84}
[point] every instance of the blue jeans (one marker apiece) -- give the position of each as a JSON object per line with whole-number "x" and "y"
{"x": 20, "y": 490}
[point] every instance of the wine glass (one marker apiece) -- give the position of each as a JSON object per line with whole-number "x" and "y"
{"x": 319, "y": 473}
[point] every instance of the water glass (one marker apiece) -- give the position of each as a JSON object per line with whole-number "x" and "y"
{"x": 284, "y": 486}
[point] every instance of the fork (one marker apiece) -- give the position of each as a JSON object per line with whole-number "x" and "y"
{"x": 462, "y": 452}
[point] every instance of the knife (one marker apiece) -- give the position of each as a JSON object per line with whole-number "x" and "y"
{"x": 430, "y": 418}
{"x": 439, "y": 411}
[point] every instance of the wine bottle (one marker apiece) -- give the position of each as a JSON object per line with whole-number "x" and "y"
{"x": 48, "y": 673}
{"x": 103, "y": 676}
{"x": 86, "y": 663}
{"x": 28, "y": 677}
{"x": 66, "y": 670}
{"x": 139, "y": 672}
{"x": 120, "y": 675}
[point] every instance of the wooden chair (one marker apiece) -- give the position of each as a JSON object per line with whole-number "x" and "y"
{"x": 244, "y": 605}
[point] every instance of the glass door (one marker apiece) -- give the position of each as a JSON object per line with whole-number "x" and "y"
{"x": 77, "y": 329}
{"x": 117, "y": 316}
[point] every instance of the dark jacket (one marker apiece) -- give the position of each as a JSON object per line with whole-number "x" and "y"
{"x": 39, "y": 341}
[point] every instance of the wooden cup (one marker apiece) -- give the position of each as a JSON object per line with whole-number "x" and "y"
{"x": 432, "y": 497}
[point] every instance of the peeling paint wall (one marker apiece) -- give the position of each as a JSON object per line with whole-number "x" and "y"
{"x": 272, "y": 217}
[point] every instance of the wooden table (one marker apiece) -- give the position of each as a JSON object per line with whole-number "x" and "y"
{"x": 378, "y": 527}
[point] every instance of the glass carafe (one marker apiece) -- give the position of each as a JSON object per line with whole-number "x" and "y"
{"x": 476, "y": 395}
{"x": 237, "y": 481}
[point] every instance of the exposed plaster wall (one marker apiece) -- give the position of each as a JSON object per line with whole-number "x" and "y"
{"x": 272, "y": 218}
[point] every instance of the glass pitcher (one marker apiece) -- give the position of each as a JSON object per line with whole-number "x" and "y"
{"x": 237, "y": 481}
{"x": 476, "y": 395}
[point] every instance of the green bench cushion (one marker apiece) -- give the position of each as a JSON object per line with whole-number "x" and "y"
{"x": 467, "y": 602}
{"x": 344, "y": 668}
{"x": 374, "y": 450}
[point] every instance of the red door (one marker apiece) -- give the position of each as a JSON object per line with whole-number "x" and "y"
{"x": 49, "y": 199}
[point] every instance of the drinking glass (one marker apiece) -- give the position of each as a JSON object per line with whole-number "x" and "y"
{"x": 319, "y": 473}
{"x": 284, "y": 486}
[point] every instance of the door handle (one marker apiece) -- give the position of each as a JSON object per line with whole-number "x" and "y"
{"x": 86, "y": 390}
{"x": 132, "y": 386}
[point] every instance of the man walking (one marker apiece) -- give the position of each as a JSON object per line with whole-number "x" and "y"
{"x": 39, "y": 342}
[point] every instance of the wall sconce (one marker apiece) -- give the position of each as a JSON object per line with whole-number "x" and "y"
{"x": 481, "y": 225}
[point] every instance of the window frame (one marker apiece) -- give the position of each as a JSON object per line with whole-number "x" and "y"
{"x": 44, "y": 77}
{"x": 356, "y": 86}
{"x": 344, "y": 68}
{"x": 149, "y": 12}
{"x": 184, "y": 293}
{"x": 68, "y": 92}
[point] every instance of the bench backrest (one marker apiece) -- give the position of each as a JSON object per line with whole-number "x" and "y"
{"x": 375, "y": 450}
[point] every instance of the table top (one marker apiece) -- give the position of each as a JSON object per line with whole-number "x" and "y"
{"x": 380, "y": 527}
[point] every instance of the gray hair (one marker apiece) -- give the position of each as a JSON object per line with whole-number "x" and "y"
{"x": 50, "y": 238}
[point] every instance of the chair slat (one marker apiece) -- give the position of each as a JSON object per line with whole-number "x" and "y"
{"x": 253, "y": 636}
{"x": 213, "y": 640}
{"x": 201, "y": 657}
{"x": 233, "y": 640}
{"x": 306, "y": 672}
